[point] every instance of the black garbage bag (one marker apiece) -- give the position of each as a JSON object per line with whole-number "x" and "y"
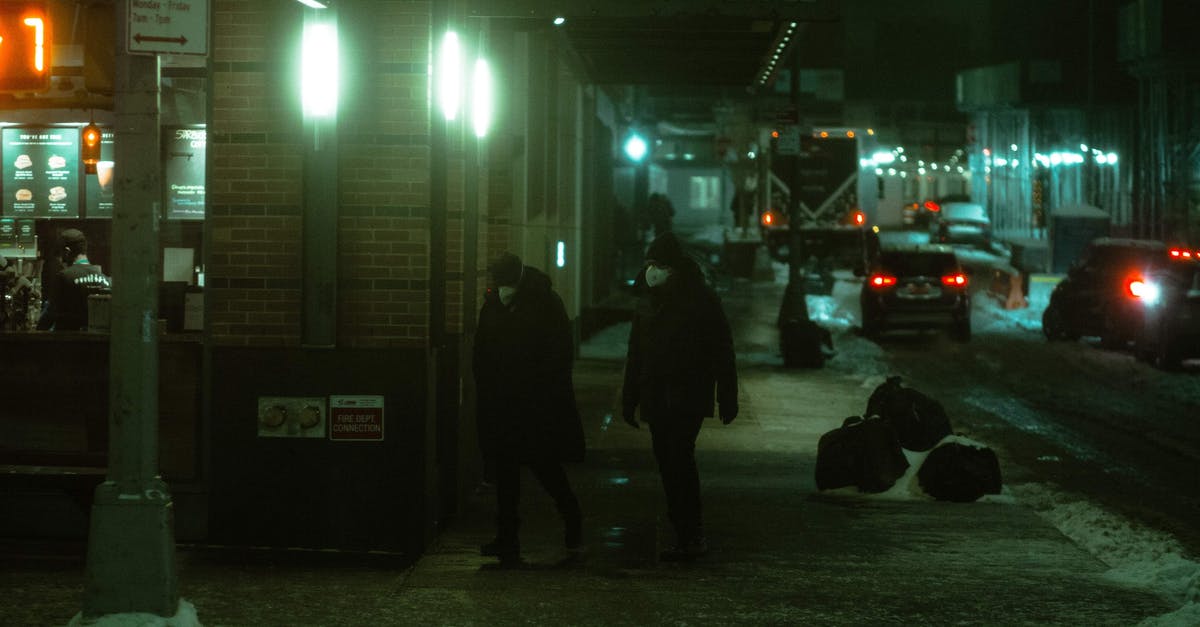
{"x": 863, "y": 452}
{"x": 919, "y": 420}
{"x": 960, "y": 472}
{"x": 804, "y": 344}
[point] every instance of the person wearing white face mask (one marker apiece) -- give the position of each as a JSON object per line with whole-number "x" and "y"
{"x": 680, "y": 349}
{"x": 526, "y": 412}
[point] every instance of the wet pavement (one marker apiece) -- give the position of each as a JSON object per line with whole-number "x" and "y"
{"x": 782, "y": 552}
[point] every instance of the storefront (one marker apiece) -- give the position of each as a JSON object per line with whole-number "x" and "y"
{"x": 54, "y": 418}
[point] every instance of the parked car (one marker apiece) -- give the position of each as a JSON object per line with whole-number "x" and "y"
{"x": 1170, "y": 331}
{"x": 916, "y": 287}
{"x": 1104, "y": 291}
{"x": 963, "y": 223}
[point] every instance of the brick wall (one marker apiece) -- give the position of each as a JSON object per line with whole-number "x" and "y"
{"x": 255, "y": 185}
{"x": 253, "y": 275}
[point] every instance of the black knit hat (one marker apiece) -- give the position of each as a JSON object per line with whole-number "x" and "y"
{"x": 665, "y": 250}
{"x": 506, "y": 270}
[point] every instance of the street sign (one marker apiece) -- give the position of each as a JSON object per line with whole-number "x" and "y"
{"x": 356, "y": 418}
{"x": 167, "y": 27}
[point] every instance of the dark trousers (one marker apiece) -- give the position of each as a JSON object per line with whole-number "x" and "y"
{"x": 674, "y": 439}
{"x": 508, "y": 495}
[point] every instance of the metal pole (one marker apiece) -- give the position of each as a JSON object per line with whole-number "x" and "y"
{"x": 131, "y": 542}
{"x": 318, "y": 326}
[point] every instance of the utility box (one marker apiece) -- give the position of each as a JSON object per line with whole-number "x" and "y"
{"x": 1071, "y": 229}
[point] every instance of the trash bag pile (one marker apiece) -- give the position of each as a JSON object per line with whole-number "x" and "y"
{"x": 867, "y": 451}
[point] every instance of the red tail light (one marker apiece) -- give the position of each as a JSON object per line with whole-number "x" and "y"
{"x": 880, "y": 281}
{"x": 860, "y": 218}
{"x": 932, "y": 206}
{"x": 1182, "y": 253}
{"x": 955, "y": 280}
{"x": 768, "y": 218}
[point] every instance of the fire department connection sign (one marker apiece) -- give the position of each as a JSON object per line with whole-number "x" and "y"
{"x": 168, "y": 27}
{"x": 356, "y": 418}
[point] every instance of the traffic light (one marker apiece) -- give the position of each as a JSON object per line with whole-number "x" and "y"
{"x": 91, "y": 147}
{"x": 25, "y": 45}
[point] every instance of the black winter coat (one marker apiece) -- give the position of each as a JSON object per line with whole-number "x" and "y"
{"x": 680, "y": 347}
{"x": 523, "y": 357}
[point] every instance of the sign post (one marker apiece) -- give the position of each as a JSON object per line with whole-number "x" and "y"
{"x": 167, "y": 27}
{"x": 131, "y": 541}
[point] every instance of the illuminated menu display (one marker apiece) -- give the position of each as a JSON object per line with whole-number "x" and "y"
{"x": 183, "y": 171}
{"x": 40, "y": 172}
{"x": 100, "y": 186}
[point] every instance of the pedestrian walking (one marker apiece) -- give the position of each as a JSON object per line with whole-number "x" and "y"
{"x": 680, "y": 349}
{"x": 526, "y": 400}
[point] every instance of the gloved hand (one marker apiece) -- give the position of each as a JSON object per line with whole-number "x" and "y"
{"x": 630, "y": 419}
{"x": 729, "y": 411}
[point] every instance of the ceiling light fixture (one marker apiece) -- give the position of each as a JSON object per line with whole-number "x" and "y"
{"x": 314, "y": 4}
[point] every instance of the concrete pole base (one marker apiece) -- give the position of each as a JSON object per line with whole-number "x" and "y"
{"x": 131, "y": 551}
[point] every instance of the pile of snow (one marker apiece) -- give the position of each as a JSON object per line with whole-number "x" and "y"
{"x": 1134, "y": 554}
{"x": 185, "y": 616}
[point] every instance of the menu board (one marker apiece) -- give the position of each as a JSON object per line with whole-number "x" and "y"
{"x": 183, "y": 171}
{"x": 100, "y": 186}
{"x": 8, "y": 232}
{"x": 41, "y": 172}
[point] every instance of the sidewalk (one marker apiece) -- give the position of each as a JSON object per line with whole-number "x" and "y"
{"x": 782, "y": 553}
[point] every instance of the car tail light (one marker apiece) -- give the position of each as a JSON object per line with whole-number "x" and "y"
{"x": 880, "y": 281}
{"x": 1182, "y": 253}
{"x": 932, "y": 206}
{"x": 957, "y": 279}
{"x": 1143, "y": 290}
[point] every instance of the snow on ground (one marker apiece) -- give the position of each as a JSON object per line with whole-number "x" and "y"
{"x": 185, "y": 616}
{"x": 1135, "y": 555}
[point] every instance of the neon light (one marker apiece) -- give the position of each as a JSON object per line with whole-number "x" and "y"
{"x": 319, "y": 70}
{"x": 450, "y": 83}
{"x": 39, "y": 41}
{"x": 481, "y": 97}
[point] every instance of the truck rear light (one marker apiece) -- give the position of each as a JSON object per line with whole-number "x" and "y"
{"x": 1145, "y": 291}
{"x": 1183, "y": 253}
{"x": 955, "y": 280}
{"x": 880, "y": 281}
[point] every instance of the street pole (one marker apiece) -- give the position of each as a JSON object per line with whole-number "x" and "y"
{"x": 131, "y": 542}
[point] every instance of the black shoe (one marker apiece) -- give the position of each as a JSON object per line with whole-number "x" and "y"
{"x": 573, "y": 533}
{"x": 504, "y": 550}
{"x": 685, "y": 551}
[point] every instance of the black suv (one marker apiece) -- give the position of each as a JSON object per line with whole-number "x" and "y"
{"x": 1103, "y": 292}
{"x": 1170, "y": 331}
{"x": 916, "y": 287}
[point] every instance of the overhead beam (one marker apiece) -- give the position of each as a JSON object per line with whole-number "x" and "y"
{"x": 757, "y": 9}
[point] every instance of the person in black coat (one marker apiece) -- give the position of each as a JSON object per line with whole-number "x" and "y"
{"x": 680, "y": 349}
{"x": 526, "y": 399}
{"x": 66, "y": 294}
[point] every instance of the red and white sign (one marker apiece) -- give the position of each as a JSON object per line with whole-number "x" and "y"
{"x": 168, "y": 27}
{"x": 356, "y": 418}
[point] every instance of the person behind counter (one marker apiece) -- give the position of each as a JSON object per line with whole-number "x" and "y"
{"x": 66, "y": 295}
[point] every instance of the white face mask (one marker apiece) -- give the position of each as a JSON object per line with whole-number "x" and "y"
{"x": 656, "y": 275}
{"x": 507, "y": 294}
